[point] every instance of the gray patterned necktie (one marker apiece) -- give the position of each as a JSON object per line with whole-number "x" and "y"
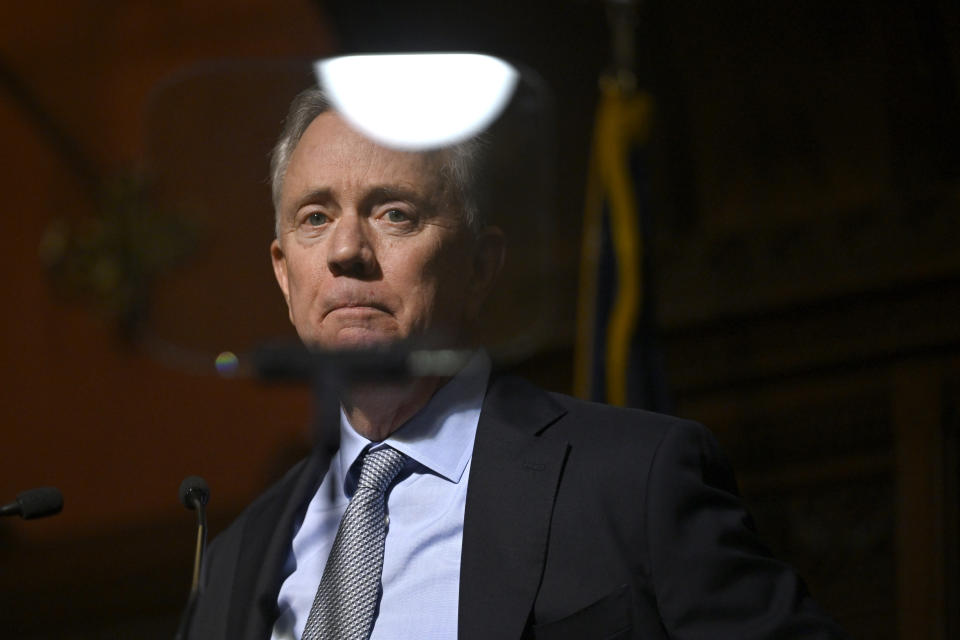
{"x": 347, "y": 597}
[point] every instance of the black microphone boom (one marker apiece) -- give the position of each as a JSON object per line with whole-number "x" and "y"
{"x": 35, "y": 503}
{"x": 194, "y": 494}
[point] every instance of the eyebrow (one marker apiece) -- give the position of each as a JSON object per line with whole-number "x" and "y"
{"x": 321, "y": 195}
{"x": 373, "y": 195}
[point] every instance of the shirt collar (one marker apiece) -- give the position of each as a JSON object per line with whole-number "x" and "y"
{"x": 440, "y": 436}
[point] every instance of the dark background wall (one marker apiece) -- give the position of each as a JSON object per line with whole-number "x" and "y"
{"x": 806, "y": 189}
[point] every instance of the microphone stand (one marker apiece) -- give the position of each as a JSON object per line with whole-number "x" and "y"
{"x": 194, "y": 494}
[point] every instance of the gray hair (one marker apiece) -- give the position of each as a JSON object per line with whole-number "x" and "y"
{"x": 460, "y": 169}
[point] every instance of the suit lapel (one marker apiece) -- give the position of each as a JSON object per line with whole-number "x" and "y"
{"x": 514, "y": 476}
{"x": 264, "y": 550}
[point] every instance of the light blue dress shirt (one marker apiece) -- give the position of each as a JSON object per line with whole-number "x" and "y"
{"x": 421, "y": 561}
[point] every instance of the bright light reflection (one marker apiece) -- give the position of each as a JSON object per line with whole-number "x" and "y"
{"x": 420, "y": 100}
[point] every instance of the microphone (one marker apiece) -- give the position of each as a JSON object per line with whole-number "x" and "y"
{"x": 194, "y": 494}
{"x": 35, "y": 503}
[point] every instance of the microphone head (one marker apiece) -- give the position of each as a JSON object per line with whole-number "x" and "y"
{"x": 194, "y": 491}
{"x": 40, "y": 502}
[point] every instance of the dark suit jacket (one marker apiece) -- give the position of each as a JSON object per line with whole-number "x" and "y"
{"x": 582, "y": 521}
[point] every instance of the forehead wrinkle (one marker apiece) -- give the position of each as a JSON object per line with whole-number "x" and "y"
{"x": 379, "y": 177}
{"x": 329, "y": 147}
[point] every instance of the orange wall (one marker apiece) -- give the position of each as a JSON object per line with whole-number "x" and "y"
{"x": 80, "y": 409}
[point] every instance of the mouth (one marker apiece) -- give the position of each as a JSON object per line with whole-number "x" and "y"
{"x": 357, "y": 308}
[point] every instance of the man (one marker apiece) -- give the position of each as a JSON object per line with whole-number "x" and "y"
{"x": 507, "y": 512}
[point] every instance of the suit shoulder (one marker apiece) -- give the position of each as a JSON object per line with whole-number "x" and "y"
{"x": 588, "y": 422}
{"x": 596, "y": 418}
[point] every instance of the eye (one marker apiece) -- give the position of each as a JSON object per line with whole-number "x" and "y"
{"x": 396, "y": 215}
{"x": 317, "y": 219}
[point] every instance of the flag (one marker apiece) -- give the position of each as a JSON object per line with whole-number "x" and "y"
{"x": 617, "y": 358}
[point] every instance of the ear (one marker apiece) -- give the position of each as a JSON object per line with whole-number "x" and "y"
{"x": 279, "y": 260}
{"x": 487, "y": 262}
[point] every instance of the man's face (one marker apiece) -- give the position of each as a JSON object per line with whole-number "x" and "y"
{"x": 372, "y": 247}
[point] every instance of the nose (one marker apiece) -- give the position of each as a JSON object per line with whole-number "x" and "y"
{"x": 350, "y": 251}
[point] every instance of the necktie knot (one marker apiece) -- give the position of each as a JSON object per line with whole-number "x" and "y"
{"x": 379, "y": 468}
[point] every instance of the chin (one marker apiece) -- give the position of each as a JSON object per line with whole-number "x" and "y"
{"x": 354, "y": 339}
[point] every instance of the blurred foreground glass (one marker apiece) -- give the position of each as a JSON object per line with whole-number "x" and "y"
{"x": 209, "y": 132}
